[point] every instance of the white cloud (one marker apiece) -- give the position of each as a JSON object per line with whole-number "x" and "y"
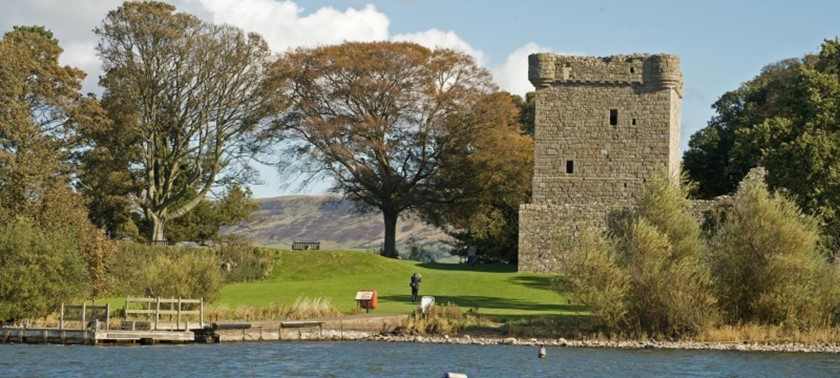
{"x": 72, "y": 24}
{"x": 82, "y": 55}
{"x": 434, "y": 38}
{"x": 512, "y": 76}
{"x": 69, "y": 20}
{"x": 284, "y": 25}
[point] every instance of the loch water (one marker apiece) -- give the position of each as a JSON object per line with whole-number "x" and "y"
{"x": 383, "y": 359}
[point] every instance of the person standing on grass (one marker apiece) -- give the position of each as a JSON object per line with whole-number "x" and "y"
{"x": 415, "y": 286}
{"x": 471, "y": 255}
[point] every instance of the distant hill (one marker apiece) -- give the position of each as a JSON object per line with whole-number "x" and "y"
{"x": 331, "y": 221}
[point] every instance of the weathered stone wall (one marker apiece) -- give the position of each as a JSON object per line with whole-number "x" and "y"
{"x": 604, "y": 126}
{"x": 543, "y": 227}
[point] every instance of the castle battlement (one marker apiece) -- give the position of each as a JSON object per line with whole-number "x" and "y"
{"x": 658, "y": 70}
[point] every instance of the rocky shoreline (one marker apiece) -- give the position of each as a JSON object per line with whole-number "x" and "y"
{"x": 744, "y": 346}
{"x": 387, "y": 328}
{"x": 685, "y": 345}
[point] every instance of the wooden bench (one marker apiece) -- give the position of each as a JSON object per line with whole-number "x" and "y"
{"x": 300, "y": 246}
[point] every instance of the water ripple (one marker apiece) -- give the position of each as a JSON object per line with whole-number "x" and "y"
{"x": 379, "y": 359}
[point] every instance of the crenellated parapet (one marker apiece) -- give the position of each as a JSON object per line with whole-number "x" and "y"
{"x": 656, "y": 70}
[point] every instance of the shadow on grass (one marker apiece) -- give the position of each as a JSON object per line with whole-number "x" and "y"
{"x": 487, "y": 268}
{"x": 471, "y": 301}
{"x": 542, "y": 283}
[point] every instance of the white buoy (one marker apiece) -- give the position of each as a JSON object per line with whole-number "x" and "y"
{"x": 454, "y": 375}
{"x": 541, "y": 353}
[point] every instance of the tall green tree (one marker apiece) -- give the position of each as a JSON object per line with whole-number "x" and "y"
{"x": 185, "y": 93}
{"x": 719, "y": 155}
{"x": 787, "y": 120}
{"x": 527, "y": 112}
{"x": 379, "y": 118}
{"x": 205, "y": 221}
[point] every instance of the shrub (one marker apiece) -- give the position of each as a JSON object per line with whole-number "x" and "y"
{"x": 416, "y": 252}
{"x": 38, "y": 270}
{"x": 167, "y": 272}
{"x": 98, "y": 253}
{"x": 767, "y": 262}
{"x": 442, "y": 320}
{"x": 305, "y": 308}
{"x": 242, "y": 261}
{"x": 647, "y": 275}
{"x": 597, "y": 280}
{"x": 302, "y": 308}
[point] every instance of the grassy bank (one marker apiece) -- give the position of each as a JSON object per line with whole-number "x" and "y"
{"x": 496, "y": 290}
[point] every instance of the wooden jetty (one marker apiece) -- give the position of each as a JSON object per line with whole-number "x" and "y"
{"x": 92, "y": 337}
{"x": 160, "y": 320}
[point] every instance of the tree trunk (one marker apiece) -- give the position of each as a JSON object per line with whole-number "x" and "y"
{"x": 157, "y": 236}
{"x": 390, "y": 233}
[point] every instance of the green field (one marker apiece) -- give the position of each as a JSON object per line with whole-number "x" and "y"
{"x": 495, "y": 290}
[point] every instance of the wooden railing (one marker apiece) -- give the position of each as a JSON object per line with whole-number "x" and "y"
{"x": 83, "y": 317}
{"x": 155, "y": 308}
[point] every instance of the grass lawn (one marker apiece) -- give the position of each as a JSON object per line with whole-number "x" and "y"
{"x": 496, "y": 290}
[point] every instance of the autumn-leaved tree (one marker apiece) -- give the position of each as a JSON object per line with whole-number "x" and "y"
{"x": 183, "y": 95}
{"x": 41, "y": 112}
{"x": 378, "y": 118}
{"x": 38, "y": 104}
{"x": 479, "y": 192}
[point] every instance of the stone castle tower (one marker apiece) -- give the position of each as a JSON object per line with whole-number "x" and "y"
{"x": 604, "y": 126}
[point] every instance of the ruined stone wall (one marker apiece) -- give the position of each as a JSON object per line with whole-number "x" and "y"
{"x": 604, "y": 126}
{"x": 542, "y": 227}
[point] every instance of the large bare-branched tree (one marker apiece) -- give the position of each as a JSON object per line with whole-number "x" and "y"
{"x": 184, "y": 93}
{"x": 381, "y": 119}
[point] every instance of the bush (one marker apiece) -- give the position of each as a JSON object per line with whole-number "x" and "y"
{"x": 597, "y": 280}
{"x": 647, "y": 275}
{"x": 302, "y": 308}
{"x": 242, "y": 261}
{"x": 442, "y": 320}
{"x": 416, "y": 252}
{"x": 152, "y": 271}
{"x": 767, "y": 263}
{"x": 184, "y": 274}
{"x": 38, "y": 270}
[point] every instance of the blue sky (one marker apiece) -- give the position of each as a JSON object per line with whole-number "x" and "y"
{"x": 721, "y": 43}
